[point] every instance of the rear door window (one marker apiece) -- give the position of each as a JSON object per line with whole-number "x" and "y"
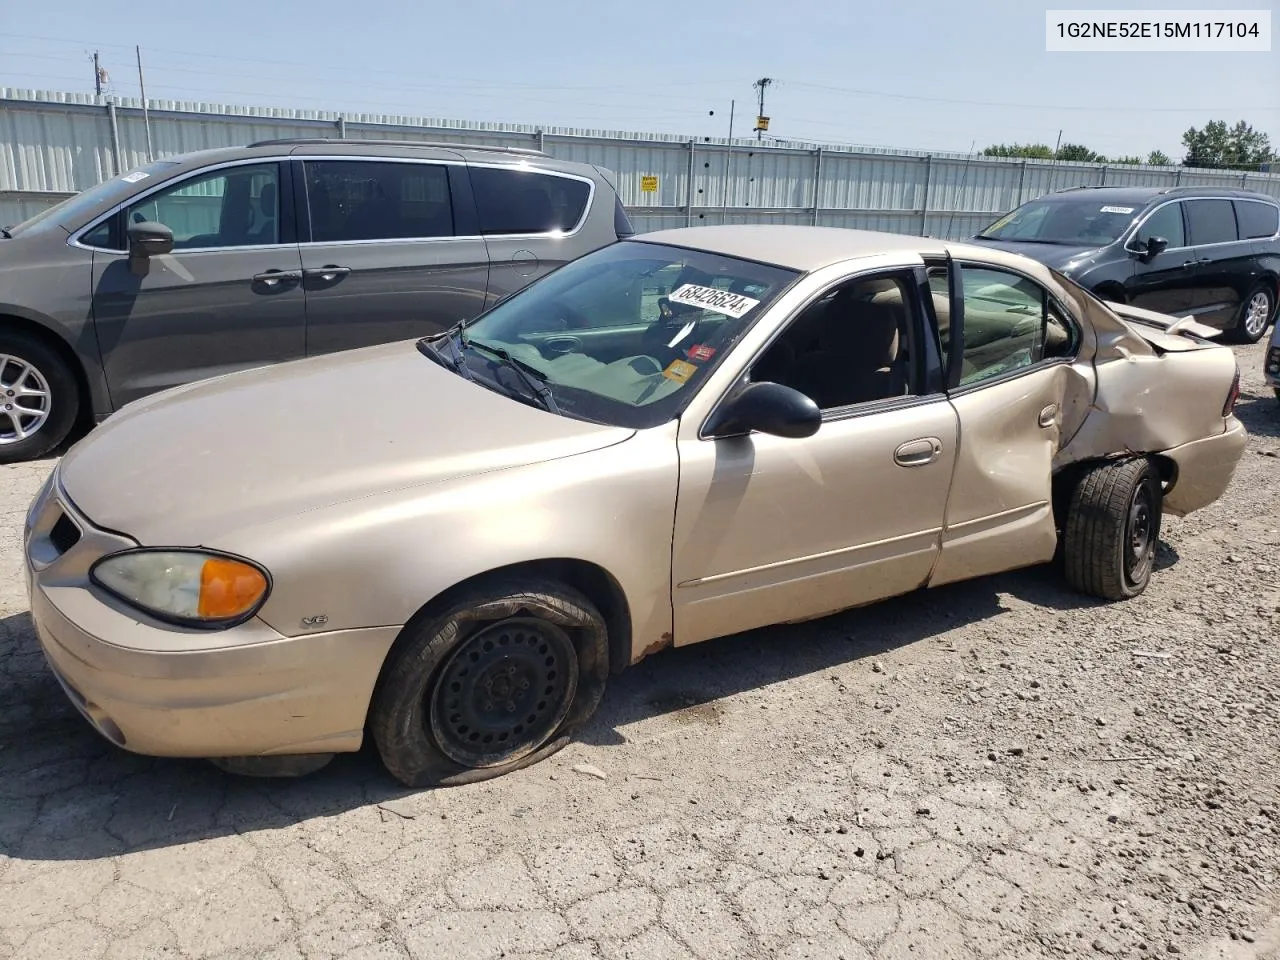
{"x": 521, "y": 201}
{"x": 1257, "y": 219}
{"x": 1165, "y": 222}
{"x": 1211, "y": 221}
{"x": 378, "y": 200}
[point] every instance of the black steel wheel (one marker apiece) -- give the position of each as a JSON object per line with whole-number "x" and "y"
{"x": 488, "y": 680}
{"x": 1140, "y": 536}
{"x": 503, "y": 692}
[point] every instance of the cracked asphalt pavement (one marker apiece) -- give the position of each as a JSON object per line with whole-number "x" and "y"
{"x": 996, "y": 769}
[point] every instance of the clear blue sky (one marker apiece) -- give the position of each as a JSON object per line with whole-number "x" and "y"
{"x": 928, "y": 74}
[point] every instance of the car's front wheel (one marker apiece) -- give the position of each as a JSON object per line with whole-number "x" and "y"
{"x": 1113, "y": 528}
{"x": 493, "y": 681}
{"x": 1255, "y": 315}
{"x": 39, "y": 397}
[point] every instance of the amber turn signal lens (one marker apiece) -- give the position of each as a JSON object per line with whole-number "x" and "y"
{"x": 229, "y": 588}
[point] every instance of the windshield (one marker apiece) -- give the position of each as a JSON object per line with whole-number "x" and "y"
{"x": 87, "y": 204}
{"x": 624, "y": 335}
{"x": 1076, "y": 222}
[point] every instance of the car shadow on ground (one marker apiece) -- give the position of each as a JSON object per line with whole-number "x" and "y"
{"x": 66, "y": 794}
{"x": 1259, "y": 412}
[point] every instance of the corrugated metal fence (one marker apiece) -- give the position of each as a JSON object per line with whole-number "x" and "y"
{"x": 53, "y": 145}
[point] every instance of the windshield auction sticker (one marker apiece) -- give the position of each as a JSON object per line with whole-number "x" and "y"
{"x": 709, "y": 298}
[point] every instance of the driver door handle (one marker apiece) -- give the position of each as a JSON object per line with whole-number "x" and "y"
{"x": 273, "y": 278}
{"x": 326, "y": 273}
{"x": 917, "y": 453}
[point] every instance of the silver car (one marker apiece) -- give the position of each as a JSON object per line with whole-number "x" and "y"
{"x": 217, "y": 261}
{"x": 449, "y": 544}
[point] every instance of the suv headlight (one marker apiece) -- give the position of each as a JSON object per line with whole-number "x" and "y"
{"x": 194, "y": 588}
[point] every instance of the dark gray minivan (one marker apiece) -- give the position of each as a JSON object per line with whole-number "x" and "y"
{"x": 217, "y": 261}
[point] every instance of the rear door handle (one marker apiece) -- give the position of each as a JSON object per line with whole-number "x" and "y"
{"x": 917, "y": 453}
{"x": 1186, "y": 264}
{"x": 326, "y": 273}
{"x": 273, "y": 278}
{"x": 1049, "y": 415}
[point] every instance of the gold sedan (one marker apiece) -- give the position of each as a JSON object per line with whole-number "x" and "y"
{"x": 450, "y": 544}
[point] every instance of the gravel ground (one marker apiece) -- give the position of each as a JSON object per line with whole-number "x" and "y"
{"x": 993, "y": 769}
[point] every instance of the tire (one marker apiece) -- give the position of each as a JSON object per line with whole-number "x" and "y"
{"x": 1255, "y": 315}
{"x": 28, "y": 362}
{"x": 1113, "y": 528}
{"x": 494, "y": 681}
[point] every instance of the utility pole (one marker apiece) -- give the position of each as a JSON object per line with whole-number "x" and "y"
{"x": 762, "y": 122}
{"x": 97, "y": 76}
{"x": 146, "y": 115}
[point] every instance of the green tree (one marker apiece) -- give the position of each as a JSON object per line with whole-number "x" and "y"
{"x": 1158, "y": 158}
{"x": 1079, "y": 153}
{"x": 1127, "y": 160}
{"x": 1217, "y": 145}
{"x": 1032, "y": 151}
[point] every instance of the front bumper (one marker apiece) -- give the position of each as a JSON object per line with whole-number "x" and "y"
{"x": 1204, "y": 469}
{"x": 167, "y": 691}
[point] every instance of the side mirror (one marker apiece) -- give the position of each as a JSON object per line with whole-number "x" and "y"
{"x": 1152, "y": 249}
{"x": 768, "y": 408}
{"x": 147, "y": 239}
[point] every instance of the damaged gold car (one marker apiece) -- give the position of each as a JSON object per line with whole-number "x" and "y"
{"x": 450, "y": 544}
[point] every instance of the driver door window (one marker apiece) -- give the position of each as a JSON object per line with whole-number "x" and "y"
{"x": 232, "y": 207}
{"x": 850, "y": 346}
{"x": 1165, "y": 222}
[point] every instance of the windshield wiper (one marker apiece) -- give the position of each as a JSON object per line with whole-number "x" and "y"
{"x": 533, "y": 378}
{"x": 456, "y": 363}
{"x": 4, "y": 232}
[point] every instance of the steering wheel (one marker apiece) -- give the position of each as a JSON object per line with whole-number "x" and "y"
{"x": 572, "y": 319}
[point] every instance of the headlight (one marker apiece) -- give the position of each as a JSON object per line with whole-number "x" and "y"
{"x": 190, "y": 587}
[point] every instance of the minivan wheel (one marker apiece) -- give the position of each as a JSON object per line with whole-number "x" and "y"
{"x": 39, "y": 397}
{"x": 1255, "y": 315}
{"x": 494, "y": 682}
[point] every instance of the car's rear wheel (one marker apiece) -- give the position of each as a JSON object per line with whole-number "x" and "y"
{"x": 1255, "y": 315}
{"x": 494, "y": 681}
{"x": 1113, "y": 529}
{"x": 39, "y": 397}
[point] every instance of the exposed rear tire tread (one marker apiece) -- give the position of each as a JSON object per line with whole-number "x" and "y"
{"x": 1093, "y": 542}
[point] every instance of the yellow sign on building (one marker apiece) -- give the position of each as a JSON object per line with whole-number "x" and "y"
{"x": 648, "y": 184}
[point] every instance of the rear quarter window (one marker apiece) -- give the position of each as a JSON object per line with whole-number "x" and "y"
{"x": 521, "y": 201}
{"x": 1257, "y": 219}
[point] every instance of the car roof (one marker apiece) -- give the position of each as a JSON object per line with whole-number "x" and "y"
{"x": 794, "y": 247}
{"x": 408, "y": 149}
{"x": 1145, "y": 195}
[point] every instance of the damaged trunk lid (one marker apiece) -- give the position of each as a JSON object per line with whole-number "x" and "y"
{"x": 1164, "y": 332}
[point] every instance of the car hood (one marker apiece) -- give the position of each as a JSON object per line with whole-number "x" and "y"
{"x": 202, "y": 460}
{"x": 1050, "y": 254}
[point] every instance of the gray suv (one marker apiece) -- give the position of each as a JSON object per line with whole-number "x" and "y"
{"x": 212, "y": 262}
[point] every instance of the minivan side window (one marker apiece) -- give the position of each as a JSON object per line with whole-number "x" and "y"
{"x": 231, "y": 207}
{"x": 521, "y": 201}
{"x": 378, "y": 200}
{"x": 1257, "y": 219}
{"x": 1165, "y": 222}
{"x": 1211, "y": 221}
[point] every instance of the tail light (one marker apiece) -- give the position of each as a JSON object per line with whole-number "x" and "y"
{"x": 1233, "y": 395}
